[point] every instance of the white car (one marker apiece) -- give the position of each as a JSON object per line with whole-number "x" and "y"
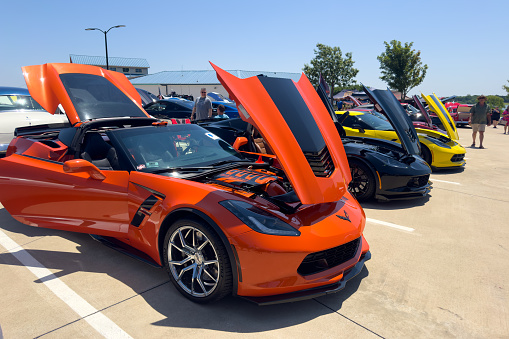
{"x": 18, "y": 109}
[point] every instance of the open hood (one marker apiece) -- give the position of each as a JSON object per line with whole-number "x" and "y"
{"x": 386, "y": 103}
{"x": 423, "y": 110}
{"x": 84, "y": 92}
{"x": 294, "y": 122}
{"x": 439, "y": 109}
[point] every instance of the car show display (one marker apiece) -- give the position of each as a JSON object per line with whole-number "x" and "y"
{"x": 269, "y": 228}
{"x": 380, "y": 169}
{"x": 440, "y": 150}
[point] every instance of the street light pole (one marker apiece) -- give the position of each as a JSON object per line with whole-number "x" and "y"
{"x": 105, "y": 40}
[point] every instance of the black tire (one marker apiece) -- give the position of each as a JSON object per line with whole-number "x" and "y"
{"x": 426, "y": 154}
{"x": 197, "y": 261}
{"x": 363, "y": 182}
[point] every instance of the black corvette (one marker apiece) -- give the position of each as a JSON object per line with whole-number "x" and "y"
{"x": 380, "y": 169}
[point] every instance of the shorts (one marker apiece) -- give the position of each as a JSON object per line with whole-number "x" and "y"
{"x": 478, "y": 127}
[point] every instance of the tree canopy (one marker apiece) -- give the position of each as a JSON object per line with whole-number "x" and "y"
{"x": 401, "y": 66}
{"x": 495, "y": 101}
{"x": 472, "y": 99}
{"x": 335, "y": 69}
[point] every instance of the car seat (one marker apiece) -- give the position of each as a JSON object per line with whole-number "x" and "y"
{"x": 99, "y": 152}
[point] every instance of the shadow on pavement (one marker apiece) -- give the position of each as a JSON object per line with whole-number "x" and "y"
{"x": 396, "y": 204}
{"x": 446, "y": 171}
{"x": 231, "y": 314}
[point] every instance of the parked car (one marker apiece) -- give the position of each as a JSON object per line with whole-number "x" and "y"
{"x": 282, "y": 228}
{"x": 380, "y": 169}
{"x": 230, "y": 109}
{"x": 214, "y": 96}
{"x": 439, "y": 150}
{"x": 179, "y": 108}
{"x": 17, "y": 108}
{"x": 146, "y": 96}
{"x": 424, "y": 119}
{"x": 166, "y": 109}
{"x": 463, "y": 111}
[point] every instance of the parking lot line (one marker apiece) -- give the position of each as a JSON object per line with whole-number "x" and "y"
{"x": 447, "y": 182}
{"x": 389, "y": 224}
{"x": 97, "y": 320}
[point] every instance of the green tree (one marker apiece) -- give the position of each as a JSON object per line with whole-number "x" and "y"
{"x": 494, "y": 101}
{"x": 401, "y": 66}
{"x": 506, "y": 88}
{"x": 334, "y": 68}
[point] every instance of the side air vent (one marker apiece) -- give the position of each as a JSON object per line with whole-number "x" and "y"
{"x": 320, "y": 162}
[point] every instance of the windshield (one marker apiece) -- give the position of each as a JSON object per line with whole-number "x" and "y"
{"x": 368, "y": 121}
{"x": 14, "y": 102}
{"x": 186, "y": 103}
{"x": 179, "y": 147}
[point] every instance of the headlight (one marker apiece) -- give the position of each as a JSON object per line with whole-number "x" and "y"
{"x": 437, "y": 142}
{"x": 387, "y": 160}
{"x": 259, "y": 220}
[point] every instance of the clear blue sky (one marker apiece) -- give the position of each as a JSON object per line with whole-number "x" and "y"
{"x": 464, "y": 43}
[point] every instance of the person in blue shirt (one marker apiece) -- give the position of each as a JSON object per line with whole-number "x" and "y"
{"x": 220, "y": 113}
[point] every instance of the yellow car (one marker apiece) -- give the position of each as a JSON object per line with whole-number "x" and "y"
{"x": 438, "y": 149}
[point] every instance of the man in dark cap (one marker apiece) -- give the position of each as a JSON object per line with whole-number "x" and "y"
{"x": 479, "y": 118}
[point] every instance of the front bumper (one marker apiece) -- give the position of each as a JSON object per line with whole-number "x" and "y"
{"x": 313, "y": 292}
{"x": 404, "y": 194}
{"x": 400, "y": 187}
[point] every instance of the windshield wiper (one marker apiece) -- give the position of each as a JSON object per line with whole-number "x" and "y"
{"x": 224, "y": 162}
{"x": 191, "y": 169}
{"x": 214, "y": 166}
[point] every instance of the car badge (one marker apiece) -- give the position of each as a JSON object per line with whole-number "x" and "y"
{"x": 346, "y": 217}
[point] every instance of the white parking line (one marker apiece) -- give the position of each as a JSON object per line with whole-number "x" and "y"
{"x": 447, "y": 182}
{"x": 403, "y": 228}
{"x": 97, "y": 320}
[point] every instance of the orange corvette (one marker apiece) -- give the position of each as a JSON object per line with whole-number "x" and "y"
{"x": 270, "y": 229}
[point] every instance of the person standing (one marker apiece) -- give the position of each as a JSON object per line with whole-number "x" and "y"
{"x": 505, "y": 120}
{"x": 220, "y": 113}
{"x": 495, "y": 116}
{"x": 202, "y": 107}
{"x": 479, "y": 118}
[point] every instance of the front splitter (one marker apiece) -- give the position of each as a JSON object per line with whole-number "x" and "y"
{"x": 313, "y": 292}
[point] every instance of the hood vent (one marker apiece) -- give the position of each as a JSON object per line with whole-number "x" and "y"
{"x": 320, "y": 162}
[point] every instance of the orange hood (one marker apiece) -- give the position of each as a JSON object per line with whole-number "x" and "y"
{"x": 295, "y": 123}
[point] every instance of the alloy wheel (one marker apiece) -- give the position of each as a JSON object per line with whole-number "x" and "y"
{"x": 193, "y": 261}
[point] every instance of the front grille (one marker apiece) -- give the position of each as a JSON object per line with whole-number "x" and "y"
{"x": 320, "y": 162}
{"x": 458, "y": 157}
{"x": 321, "y": 261}
{"x": 419, "y": 181}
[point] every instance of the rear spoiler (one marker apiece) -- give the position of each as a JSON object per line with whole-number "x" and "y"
{"x": 39, "y": 129}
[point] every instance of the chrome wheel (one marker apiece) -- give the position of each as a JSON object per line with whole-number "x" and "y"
{"x": 193, "y": 261}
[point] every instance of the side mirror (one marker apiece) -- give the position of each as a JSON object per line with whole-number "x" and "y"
{"x": 357, "y": 126}
{"x": 239, "y": 142}
{"x": 83, "y": 166}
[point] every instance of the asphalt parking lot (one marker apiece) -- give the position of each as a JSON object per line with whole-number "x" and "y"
{"x": 439, "y": 269}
